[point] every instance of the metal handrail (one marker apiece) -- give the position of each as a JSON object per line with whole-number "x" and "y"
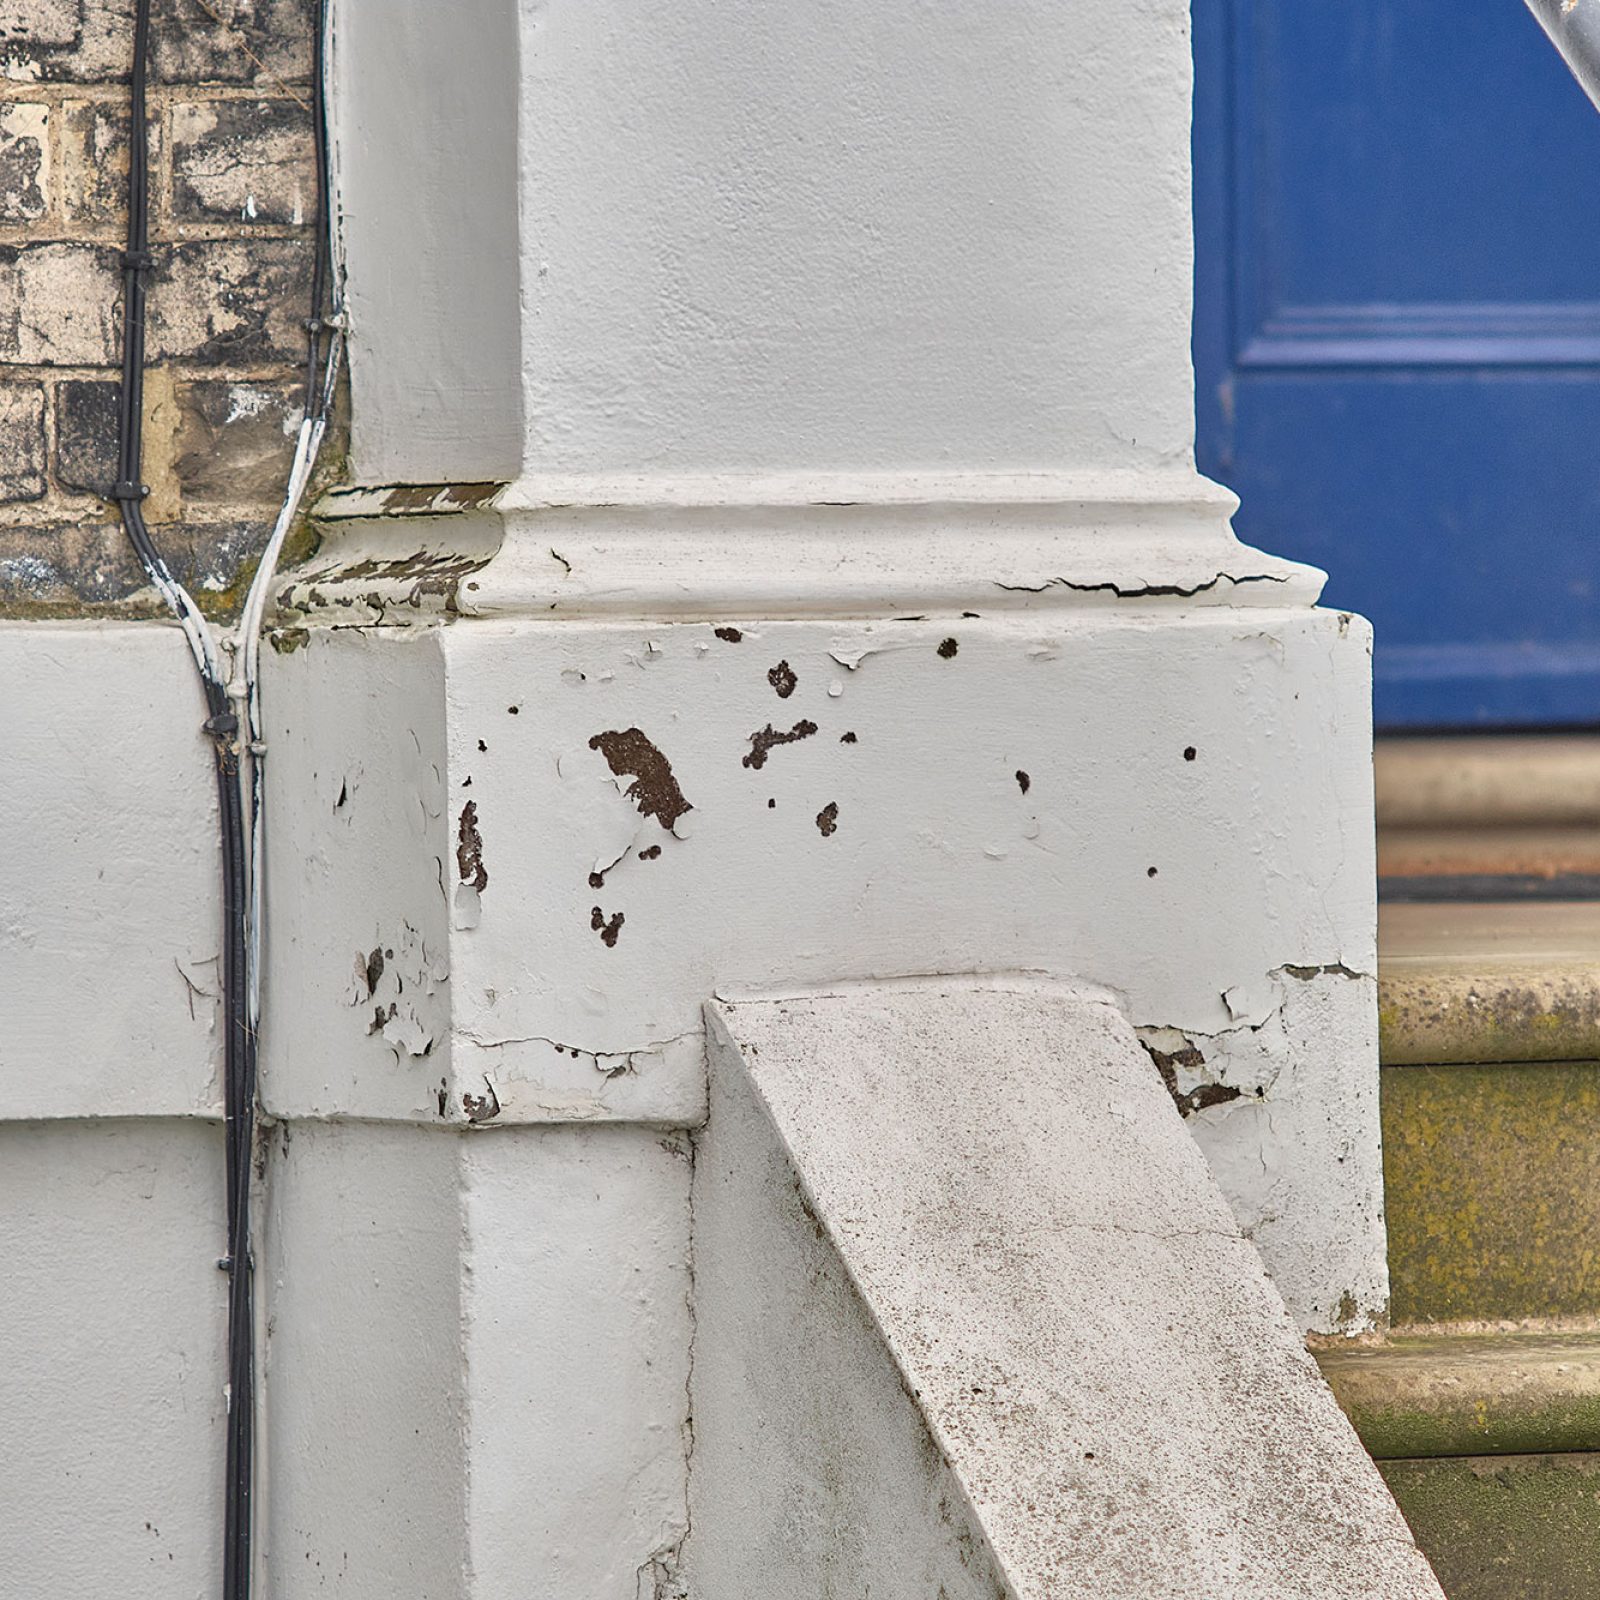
{"x": 1574, "y": 29}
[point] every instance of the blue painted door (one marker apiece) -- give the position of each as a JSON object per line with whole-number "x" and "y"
{"x": 1397, "y": 335}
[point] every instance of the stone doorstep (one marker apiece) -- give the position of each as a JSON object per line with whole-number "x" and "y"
{"x": 1430, "y": 1395}
{"x": 1489, "y": 982}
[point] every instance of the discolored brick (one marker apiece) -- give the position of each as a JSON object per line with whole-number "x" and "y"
{"x": 65, "y": 565}
{"x": 234, "y": 41}
{"x": 59, "y": 304}
{"x": 242, "y": 161}
{"x": 222, "y": 302}
{"x": 40, "y": 24}
{"x": 210, "y": 559}
{"x": 32, "y": 572}
{"x": 224, "y": 331}
{"x": 21, "y": 441}
{"x": 235, "y": 441}
{"x": 24, "y": 162}
{"x": 86, "y": 434}
{"x": 192, "y": 41}
{"x": 94, "y": 161}
{"x": 57, "y": 41}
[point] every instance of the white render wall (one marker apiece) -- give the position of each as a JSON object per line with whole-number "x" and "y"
{"x": 852, "y": 237}
{"x": 816, "y": 238}
{"x": 111, "y": 1163}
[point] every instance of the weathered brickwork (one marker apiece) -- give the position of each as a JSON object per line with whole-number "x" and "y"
{"x": 233, "y": 199}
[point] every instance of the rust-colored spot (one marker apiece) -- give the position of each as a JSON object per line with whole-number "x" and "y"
{"x": 654, "y": 790}
{"x": 374, "y": 968}
{"x": 469, "y": 849}
{"x": 762, "y": 742}
{"x": 847, "y": 738}
{"x": 1024, "y": 782}
{"x": 1149, "y": 872}
{"x": 651, "y": 853}
{"x": 608, "y": 931}
{"x": 783, "y": 680}
{"x": 1190, "y": 753}
{"x": 828, "y": 819}
{"x": 947, "y": 648}
{"x": 728, "y": 635}
{"x": 597, "y": 880}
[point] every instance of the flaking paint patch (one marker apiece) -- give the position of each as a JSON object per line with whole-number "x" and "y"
{"x": 654, "y": 789}
{"x": 769, "y": 737}
{"x": 395, "y": 982}
{"x": 1203, "y": 1091}
{"x": 473, "y": 873}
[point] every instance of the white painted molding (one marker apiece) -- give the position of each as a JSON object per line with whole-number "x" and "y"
{"x": 790, "y": 546}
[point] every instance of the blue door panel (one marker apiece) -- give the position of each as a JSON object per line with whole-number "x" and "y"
{"x": 1397, "y": 336}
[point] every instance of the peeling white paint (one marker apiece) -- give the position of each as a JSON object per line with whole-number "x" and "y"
{"x": 581, "y": 997}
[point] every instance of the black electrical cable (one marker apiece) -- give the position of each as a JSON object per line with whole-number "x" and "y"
{"x": 317, "y": 397}
{"x": 222, "y": 726}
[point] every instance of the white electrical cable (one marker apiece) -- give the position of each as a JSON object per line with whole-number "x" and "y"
{"x": 245, "y": 687}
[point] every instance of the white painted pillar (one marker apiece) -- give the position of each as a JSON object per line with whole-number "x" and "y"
{"x": 775, "y": 497}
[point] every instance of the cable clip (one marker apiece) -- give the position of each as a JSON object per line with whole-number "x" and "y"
{"x": 222, "y": 726}
{"x": 137, "y": 260}
{"x": 124, "y": 490}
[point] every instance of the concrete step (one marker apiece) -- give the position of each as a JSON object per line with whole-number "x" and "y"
{"x": 1489, "y": 1018}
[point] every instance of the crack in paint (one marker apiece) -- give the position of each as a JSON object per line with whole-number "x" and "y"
{"x": 1144, "y": 591}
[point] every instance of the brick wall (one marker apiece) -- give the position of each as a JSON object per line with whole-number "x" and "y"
{"x": 232, "y": 197}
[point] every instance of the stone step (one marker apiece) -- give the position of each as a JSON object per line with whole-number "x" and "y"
{"x": 1470, "y": 1394}
{"x": 1492, "y": 1183}
{"x": 1489, "y": 982}
{"x": 1505, "y": 1527}
{"x": 1491, "y": 1446}
{"x": 1488, "y": 781}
